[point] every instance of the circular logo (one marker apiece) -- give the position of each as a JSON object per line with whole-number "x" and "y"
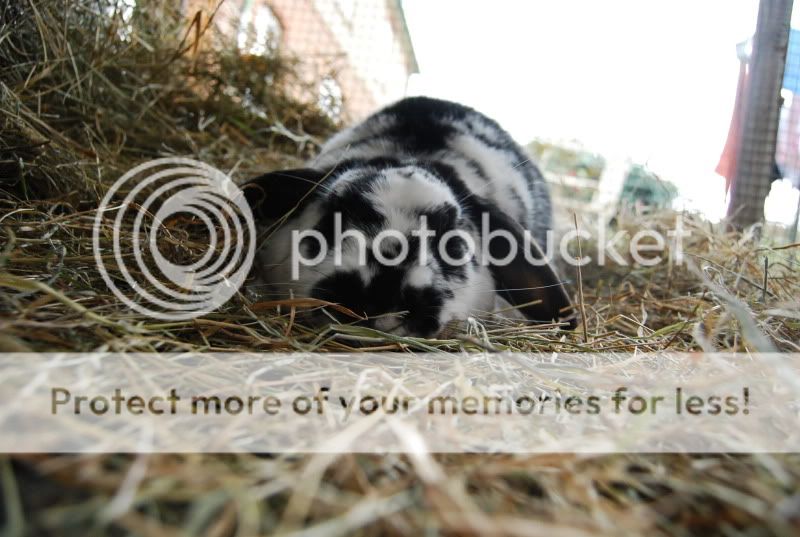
{"x": 159, "y": 209}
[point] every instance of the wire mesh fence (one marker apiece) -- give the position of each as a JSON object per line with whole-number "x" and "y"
{"x": 787, "y": 154}
{"x": 749, "y": 159}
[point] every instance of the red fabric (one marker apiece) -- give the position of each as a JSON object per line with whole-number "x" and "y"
{"x": 727, "y": 162}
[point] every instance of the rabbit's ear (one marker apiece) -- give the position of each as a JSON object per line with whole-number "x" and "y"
{"x": 535, "y": 289}
{"x": 274, "y": 194}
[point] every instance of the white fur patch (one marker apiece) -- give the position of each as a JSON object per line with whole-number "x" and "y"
{"x": 420, "y": 277}
{"x": 408, "y": 189}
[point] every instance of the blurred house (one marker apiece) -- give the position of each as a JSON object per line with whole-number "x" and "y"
{"x": 573, "y": 171}
{"x": 358, "y": 52}
{"x": 586, "y": 182}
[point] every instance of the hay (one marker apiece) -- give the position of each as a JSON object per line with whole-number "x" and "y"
{"x": 88, "y": 90}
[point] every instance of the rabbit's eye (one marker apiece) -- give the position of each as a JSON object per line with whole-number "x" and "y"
{"x": 391, "y": 248}
{"x": 442, "y": 218}
{"x": 456, "y": 247}
{"x": 345, "y": 288}
{"x": 310, "y": 247}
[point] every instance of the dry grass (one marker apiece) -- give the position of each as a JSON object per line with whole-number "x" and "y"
{"x": 86, "y": 94}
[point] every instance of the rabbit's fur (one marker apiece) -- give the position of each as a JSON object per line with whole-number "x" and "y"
{"x": 418, "y": 157}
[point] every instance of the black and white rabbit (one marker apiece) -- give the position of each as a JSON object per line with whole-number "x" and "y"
{"x": 419, "y": 157}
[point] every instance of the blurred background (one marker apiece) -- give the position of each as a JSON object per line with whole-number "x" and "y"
{"x": 624, "y": 105}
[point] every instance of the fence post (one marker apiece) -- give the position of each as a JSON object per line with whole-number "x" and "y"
{"x": 756, "y": 153}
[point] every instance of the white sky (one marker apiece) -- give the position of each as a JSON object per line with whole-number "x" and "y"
{"x": 652, "y": 80}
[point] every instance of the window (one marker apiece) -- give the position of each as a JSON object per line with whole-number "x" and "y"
{"x": 259, "y": 29}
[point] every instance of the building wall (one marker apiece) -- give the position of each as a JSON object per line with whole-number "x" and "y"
{"x": 356, "y": 43}
{"x": 309, "y": 37}
{"x": 367, "y": 31}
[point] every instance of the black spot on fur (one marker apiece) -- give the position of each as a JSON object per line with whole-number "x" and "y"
{"x": 310, "y": 247}
{"x": 384, "y": 295}
{"x": 424, "y": 306}
{"x": 417, "y": 126}
{"x": 356, "y": 209}
{"x": 384, "y": 291}
{"x": 378, "y": 163}
{"x": 345, "y": 288}
{"x": 453, "y": 268}
{"x": 423, "y": 125}
{"x": 441, "y": 218}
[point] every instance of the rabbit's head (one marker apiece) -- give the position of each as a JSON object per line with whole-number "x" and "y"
{"x": 403, "y": 245}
